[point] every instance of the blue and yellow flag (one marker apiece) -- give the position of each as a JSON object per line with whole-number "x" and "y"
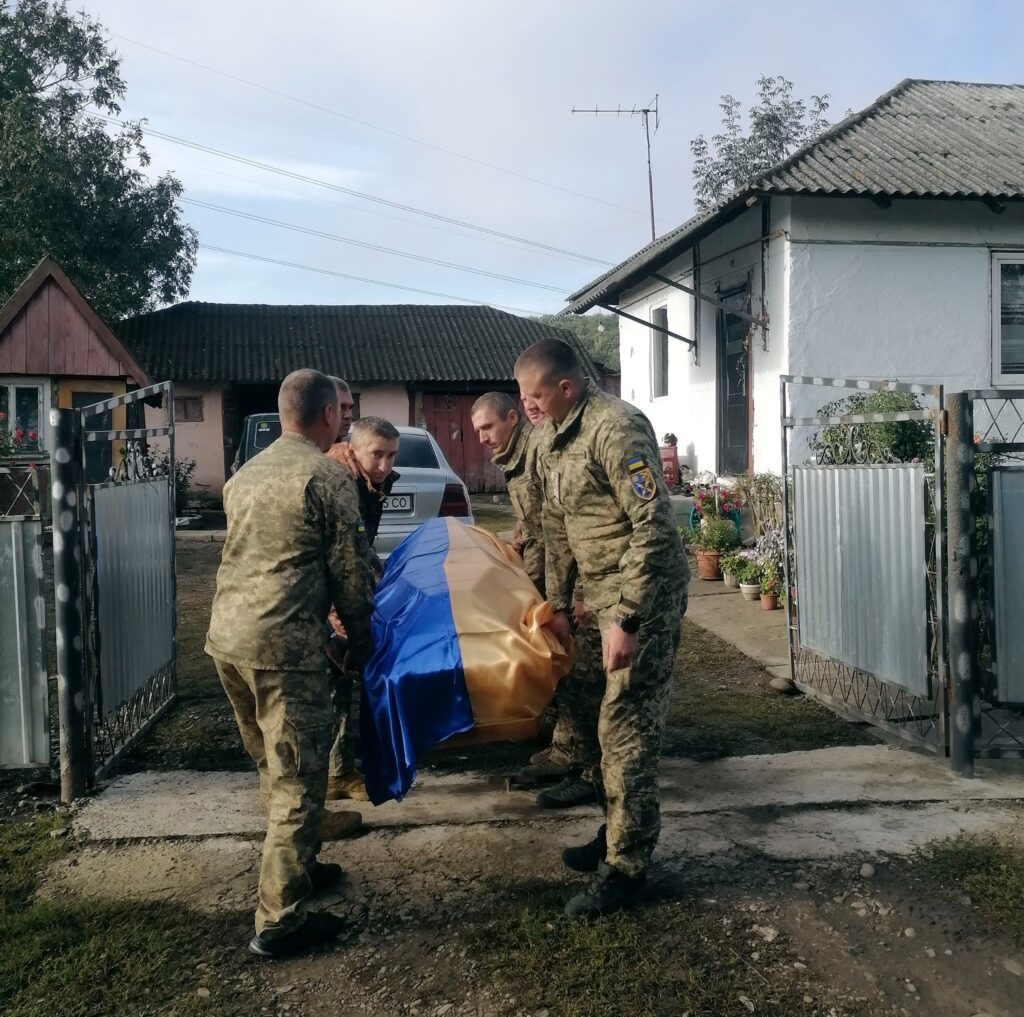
{"x": 462, "y": 647}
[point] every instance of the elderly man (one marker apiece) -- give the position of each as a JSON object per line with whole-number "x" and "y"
{"x": 515, "y": 447}
{"x": 369, "y": 456}
{"x": 294, "y": 547}
{"x": 607, "y": 509}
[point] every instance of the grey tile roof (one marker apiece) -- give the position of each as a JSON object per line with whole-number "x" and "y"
{"x": 365, "y": 344}
{"x": 924, "y": 139}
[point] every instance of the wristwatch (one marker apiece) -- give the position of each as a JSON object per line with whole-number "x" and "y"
{"x": 630, "y": 624}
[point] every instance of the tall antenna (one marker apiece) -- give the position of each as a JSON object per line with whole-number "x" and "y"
{"x": 644, "y": 114}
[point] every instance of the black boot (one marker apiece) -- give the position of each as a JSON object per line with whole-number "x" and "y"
{"x": 608, "y": 892}
{"x": 573, "y": 790}
{"x": 587, "y": 857}
{"x": 319, "y": 927}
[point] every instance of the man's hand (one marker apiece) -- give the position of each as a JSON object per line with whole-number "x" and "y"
{"x": 620, "y": 648}
{"x": 579, "y": 613}
{"x": 560, "y": 628}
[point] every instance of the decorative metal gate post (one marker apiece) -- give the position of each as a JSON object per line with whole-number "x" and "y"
{"x": 962, "y": 559}
{"x": 72, "y": 691}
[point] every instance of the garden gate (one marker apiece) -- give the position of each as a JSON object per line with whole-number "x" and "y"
{"x": 114, "y": 581}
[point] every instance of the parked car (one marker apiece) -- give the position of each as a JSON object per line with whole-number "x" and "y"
{"x": 427, "y": 486}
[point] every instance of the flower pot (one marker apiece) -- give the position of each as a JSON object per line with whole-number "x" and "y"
{"x": 751, "y": 591}
{"x": 730, "y": 580}
{"x": 707, "y": 564}
{"x": 769, "y": 601}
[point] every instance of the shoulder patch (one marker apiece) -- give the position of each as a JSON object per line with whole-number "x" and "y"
{"x": 641, "y": 478}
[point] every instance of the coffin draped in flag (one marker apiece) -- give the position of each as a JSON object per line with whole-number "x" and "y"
{"x": 462, "y": 647}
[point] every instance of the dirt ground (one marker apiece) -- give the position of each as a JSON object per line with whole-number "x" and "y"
{"x": 452, "y": 919}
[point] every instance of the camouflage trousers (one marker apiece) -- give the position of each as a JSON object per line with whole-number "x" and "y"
{"x": 587, "y": 672}
{"x": 619, "y": 718}
{"x": 346, "y": 692}
{"x": 284, "y": 718}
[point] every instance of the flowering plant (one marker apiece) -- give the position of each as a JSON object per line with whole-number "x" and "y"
{"x": 715, "y": 502}
{"x": 18, "y": 440}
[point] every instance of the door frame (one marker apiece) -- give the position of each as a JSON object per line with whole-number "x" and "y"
{"x": 722, "y": 293}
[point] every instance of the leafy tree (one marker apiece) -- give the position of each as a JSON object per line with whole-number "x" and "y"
{"x": 599, "y": 334}
{"x": 69, "y": 185}
{"x": 779, "y": 124}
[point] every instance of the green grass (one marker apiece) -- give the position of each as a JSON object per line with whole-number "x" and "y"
{"x": 721, "y": 706}
{"x": 74, "y": 957}
{"x": 665, "y": 958}
{"x": 988, "y": 871}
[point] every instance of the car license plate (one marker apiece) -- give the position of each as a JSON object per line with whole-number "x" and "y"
{"x": 398, "y": 503}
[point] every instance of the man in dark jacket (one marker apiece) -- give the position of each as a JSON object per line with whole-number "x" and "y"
{"x": 369, "y": 456}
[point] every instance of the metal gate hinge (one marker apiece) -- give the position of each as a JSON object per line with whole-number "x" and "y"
{"x": 943, "y": 423}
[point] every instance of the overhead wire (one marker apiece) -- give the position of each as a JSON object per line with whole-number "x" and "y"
{"x": 365, "y": 244}
{"x": 376, "y": 127}
{"x": 363, "y": 279}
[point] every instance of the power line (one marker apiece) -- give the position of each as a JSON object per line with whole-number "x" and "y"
{"x": 280, "y": 170}
{"x": 309, "y": 231}
{"x": 363, "y": 279}
{"x": 374, "y": 127}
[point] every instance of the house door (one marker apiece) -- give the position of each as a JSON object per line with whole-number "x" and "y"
{"x": 734, "y": 385}
{"x": 98, "y": 454}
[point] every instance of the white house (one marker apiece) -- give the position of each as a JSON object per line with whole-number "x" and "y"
{"x": 890, "y": 248}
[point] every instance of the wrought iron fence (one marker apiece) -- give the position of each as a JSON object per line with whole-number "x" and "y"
{"x": 856, "y": 518}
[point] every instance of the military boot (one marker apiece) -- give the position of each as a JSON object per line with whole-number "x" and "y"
{"x": 607, "y": 893}
{"x": 347, "y": 786}
{"x": 338, "y": 825}
{"x": 319, "y": 927}
{"x": 573, "y": 790}
{"x": 547, "y": 771}
{"x": 587, "y": 857}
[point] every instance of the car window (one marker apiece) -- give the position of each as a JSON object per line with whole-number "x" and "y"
{"x": 267, "y": 432}
{"x": 415, "y": 452}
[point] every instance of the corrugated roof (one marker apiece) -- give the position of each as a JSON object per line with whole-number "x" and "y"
{"x": 924, "y": 139}
{"x": 365, "y": 344}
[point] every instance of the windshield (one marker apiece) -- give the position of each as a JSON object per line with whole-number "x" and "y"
{"x": 267, "y": 432}
{"x": 415, "y": 452}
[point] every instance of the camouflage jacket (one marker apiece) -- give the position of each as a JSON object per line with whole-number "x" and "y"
{"x": 519, "y": 461}
{"x": 295, "y": 546}
{"x": 607, "y": 506}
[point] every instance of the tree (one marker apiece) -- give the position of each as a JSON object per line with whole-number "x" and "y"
{"x": 69, "y": 185}
{"x": 779, "y": 124}
{"x": 599, "y": 334}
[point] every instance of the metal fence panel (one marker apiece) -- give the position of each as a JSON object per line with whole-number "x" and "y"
{"x": 134, "y": 585}
{"x": 1007, "y": 496}
{"x": 24, "y": 709}
{"x": 861, "y": 573}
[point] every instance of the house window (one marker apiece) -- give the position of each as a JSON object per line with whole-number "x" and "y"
{"x": 21, "y": 413}
{"x": 1008, "y": 318}
{"x": 659, "y": 353}
{"x": 188, "y": 409}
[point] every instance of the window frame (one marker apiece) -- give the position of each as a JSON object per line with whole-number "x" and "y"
{"x": 11, "y": 382}
{"x": 183, "y": 418}
{"x": 659, "y": 342}
{"x": 999, "y": 376}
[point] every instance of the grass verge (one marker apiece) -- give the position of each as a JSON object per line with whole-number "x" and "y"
{"x": 83, "y": 958}
{"x": 989, "y": 872}
{"x": 672, "y": 957}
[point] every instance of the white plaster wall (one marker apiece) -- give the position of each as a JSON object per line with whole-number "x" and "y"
{"x": 388, "y": 401}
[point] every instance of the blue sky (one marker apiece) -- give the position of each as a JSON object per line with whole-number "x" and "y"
{"x": 494, "y": 82}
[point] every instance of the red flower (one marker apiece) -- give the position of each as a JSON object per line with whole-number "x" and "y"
{"x": 18, "y": 434}
{"x": 3, "y": 416}
{"x": 32, "y": 436}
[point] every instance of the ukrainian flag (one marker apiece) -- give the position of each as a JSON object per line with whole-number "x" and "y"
{"x": 462, "y": 647}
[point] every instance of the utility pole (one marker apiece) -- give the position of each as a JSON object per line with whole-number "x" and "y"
{"x": 645, "y": 115}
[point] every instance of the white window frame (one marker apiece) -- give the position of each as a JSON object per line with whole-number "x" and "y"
{"x": 999, "y": 377}
{"x": 657, "y": 340}
{"x": 10, "y": 382}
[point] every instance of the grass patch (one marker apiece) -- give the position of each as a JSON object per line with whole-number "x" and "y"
{"x": 666, "y": 958}
{"x": 721, "y": 706}
{"x": 81, "y": 958}
{"x": 991, "y": 873}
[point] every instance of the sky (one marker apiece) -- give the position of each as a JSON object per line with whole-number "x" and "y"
{"x": 461, "y": 109}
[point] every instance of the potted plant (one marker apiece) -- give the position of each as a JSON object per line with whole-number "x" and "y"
{"x": 731, "y": 564}
{"x": 712, "y": 540}
{"x": 770, "y": 584}
{"x": 750, "y": 580}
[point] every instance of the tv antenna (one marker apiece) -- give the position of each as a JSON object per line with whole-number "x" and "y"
{"x": 645, "y": 115}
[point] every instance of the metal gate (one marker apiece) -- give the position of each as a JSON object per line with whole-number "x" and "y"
{"x": 864, "y": 537}
{"x": 114, "y": 580}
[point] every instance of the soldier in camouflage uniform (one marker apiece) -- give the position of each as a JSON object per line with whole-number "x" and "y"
{"x": 606, "y": 507}
{"x": 294, "y": 547}
{"x": 515, "y": 446}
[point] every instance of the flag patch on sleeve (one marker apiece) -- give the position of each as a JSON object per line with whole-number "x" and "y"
{"x": 641, "y": 478}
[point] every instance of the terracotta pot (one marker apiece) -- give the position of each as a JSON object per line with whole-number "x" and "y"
{"x": 707, "y": 564}
{"x": 751, "y": 591}
{"x": 769, "y": 601}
